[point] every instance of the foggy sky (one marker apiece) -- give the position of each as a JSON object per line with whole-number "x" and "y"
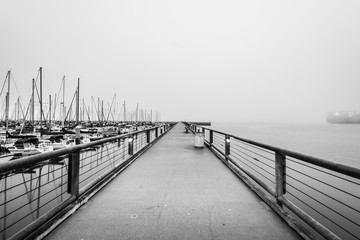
{"x": 191, "y": 59}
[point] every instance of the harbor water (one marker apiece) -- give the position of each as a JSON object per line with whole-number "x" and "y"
{"x": 33, "y": 193}
{"x": 334, "y": 142}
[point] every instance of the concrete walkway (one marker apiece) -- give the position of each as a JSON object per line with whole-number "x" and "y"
{"x": 174, "y": 191}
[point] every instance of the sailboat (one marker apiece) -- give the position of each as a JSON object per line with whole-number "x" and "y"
{"x": 5, "y": 154}
{"x": 25, "y": 144}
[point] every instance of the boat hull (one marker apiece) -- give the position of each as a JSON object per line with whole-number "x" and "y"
{"x": 344, "y": 117}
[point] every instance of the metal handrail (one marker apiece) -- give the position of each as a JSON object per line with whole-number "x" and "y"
{"x": 331, "y": 165}
{"x": 70, "y": 174}
{"x": 238, "y": 161}
{"x": 31, "y": 160}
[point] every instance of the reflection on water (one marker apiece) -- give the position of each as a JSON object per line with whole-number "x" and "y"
{"x": 30, "y": 193}
{"x": 33, "y": 191}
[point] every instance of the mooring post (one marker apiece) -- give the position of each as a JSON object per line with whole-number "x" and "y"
{"x": 227, "y": 147}
{"x": 74, "y": 167}
{"x": 280, "y": 175}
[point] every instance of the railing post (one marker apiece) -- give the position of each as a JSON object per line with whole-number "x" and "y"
{"x": 156, "y": 132}
{"x": 227, "y": 147}
{"x": 148, "y": 136}
{"x": 211, "y": 137}
{"x": 74, "y": 168}
{"x": 119, "y": 132}
{"x": 39, "y": 194}
{"x": 280, "y": 175}
{"x": 131, "y": 145}
{"x": 5, "y": 207}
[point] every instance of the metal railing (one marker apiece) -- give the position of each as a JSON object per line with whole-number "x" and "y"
{"x": 36, "y": 191}
{"x": 320, "y": 199}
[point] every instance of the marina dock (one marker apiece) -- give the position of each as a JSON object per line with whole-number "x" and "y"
{"x": 175, "y": 191}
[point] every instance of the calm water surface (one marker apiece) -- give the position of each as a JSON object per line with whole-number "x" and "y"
{"x": 334, "y": 142}
{"x": 337, "y": 143}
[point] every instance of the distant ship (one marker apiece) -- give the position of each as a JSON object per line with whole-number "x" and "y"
{"x": 344, "y": 117}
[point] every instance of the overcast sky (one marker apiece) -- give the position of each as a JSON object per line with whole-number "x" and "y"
{"x": 191, "y": 59}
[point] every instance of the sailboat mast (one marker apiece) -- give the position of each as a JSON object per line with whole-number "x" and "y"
{"x": 83, "y": 110}
{"x": 102, "y": 111}
{"x": 115, "y": 108}
{"x": 98, "y": 110}
{"x": 55, "y": 105}
{"x": 50, "y": 112}
{"x": 92, "y": 109}
{"x": 33, "y": 105}
{"x": 137, "y": 112}
{"x": 41, "y": 108}
{"x": 8, "y": 102}
{"x": 124, "y": 111}
{"x": 18, "y": 108}
{"x": 63, "y": 102}
{"x": 78, "y": 102}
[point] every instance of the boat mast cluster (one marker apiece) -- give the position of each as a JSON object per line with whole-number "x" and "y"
{"x": 34, "y": 130}
{"x": 55, "y": 111}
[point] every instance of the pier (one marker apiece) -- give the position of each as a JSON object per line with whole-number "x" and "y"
{"x": 155, "y": 184}
{"x": 174, "y": 191}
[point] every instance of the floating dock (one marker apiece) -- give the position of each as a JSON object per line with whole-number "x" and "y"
{"x": 175, "y": 191}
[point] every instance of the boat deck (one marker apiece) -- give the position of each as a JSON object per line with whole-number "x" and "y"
{"x": 175, "y": 191}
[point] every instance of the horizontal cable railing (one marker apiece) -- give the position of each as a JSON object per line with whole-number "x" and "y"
{"x": 34, "y": 189}
{"x": 321, "y": 196}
